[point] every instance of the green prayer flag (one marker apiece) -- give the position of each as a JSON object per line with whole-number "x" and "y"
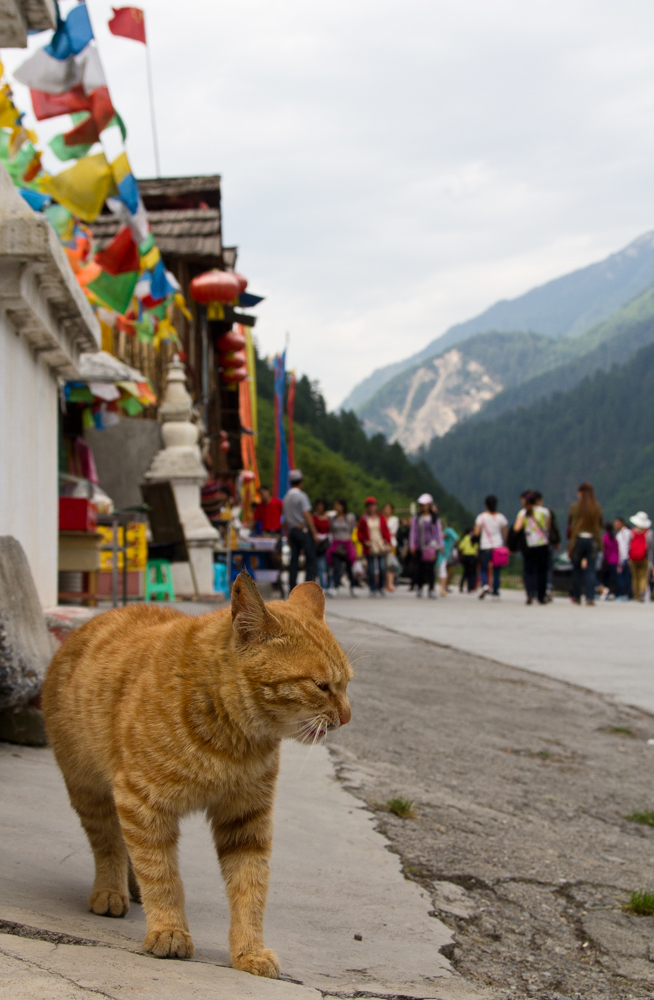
{"x": 64, "y": 152}
{"x": 146, "y": 245}
{"x": 115, "y": 291}
{"x": 80, "y": 394}
{"x": 145, "y": 329}
{"x": 131, "y": 406}
{"x": 117, "y": 120}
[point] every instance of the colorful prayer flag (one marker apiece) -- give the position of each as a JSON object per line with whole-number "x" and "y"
{"x": 72, "y": 35}
{"x": 82, "y": 188}
{"x": 129, "y": 22}
{"x": 121, "y": 255}
{"x": 115, "y": 291}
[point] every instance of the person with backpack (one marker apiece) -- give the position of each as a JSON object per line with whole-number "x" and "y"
{"x": 491, "y": 528}
{"x": 468, "y": 549}
{"x": 535, "y": 521}
{"x": 585, "y": 524}
{"x": 640, "y": 553}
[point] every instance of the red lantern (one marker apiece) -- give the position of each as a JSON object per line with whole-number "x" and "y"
{"x": 243, "y": 281}
{"x": 232, "y": 341}
{"x": 216, "y": 286}
{"x": 247, "y": 476}
{"x": 224, "y": 446}
{"x": 234, "y": 374}
{"x": 233, "y": 359}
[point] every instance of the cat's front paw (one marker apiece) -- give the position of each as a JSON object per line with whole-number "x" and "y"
{"x": 108, "y": 903}
{"x": 260, "y": 963}
{"x": 169, "y": 942}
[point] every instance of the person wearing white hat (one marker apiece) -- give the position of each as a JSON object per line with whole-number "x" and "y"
{"x": 425, "y": 542}
{"x": 640, "y": 553}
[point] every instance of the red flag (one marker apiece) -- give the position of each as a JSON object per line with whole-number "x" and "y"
{"x": 88, "y": 131}
{"x": 128, "y": 22}
{"x": 51, "y": 105}
{"x": 121, "y": 255}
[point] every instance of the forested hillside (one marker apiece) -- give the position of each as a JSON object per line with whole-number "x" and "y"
{"x": 600, "y": 430}
{"x": 338, "y": 459}
{"x": 494, "y": 372}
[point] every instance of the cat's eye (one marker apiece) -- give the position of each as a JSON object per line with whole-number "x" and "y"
{"x": 323, "y": 687}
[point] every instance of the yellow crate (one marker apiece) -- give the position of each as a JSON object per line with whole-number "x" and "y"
{"x": 137, "y": 547}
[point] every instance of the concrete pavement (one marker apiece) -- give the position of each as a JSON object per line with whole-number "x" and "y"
{"x": 332, "y": 879}
{"x": 607, "y": 648}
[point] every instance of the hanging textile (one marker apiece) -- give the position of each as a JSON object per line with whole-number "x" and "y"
{"x": 290, "y": 414}
{"x": 281, "y": 470}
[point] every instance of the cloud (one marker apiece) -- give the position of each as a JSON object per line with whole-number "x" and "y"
{"x": 391, "y": 168}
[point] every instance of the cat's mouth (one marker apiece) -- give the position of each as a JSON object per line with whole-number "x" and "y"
{"x": 313, "y": 731}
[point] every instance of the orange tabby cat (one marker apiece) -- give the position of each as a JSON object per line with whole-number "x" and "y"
{"x": 153, "y": 714}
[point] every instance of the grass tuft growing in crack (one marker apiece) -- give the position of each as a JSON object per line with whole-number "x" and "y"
{"x": 647, "y": 817}
{"x": 642, "y": 903}
{"x": 401, "y": 807}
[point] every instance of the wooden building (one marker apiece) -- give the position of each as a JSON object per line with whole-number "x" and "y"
{"x": 185, "y": 216}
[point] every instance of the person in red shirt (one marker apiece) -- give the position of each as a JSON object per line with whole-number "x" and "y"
{"x": 268, "y": 513}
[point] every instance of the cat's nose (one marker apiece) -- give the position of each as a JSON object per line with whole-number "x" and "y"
{"x": 345, "y": 715}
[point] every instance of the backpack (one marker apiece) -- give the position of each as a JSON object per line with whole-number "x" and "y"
{"x": 638, "y": 546}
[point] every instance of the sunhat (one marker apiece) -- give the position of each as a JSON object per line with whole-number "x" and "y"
{"x": 425, "y": 498}
{"x": 295, "y": 475}
{"x": 641, "y": 520}
{"x": 369, "y": 500}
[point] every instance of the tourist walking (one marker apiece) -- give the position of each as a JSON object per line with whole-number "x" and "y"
{"x": 425, "y": 542}
{"x": 341, "y": 552}
{"x": 392, "y": 562}
{"x": 640, "y": 554}
{"x": 447, "y": 558}
{"x": 610, "y": 562}
{"x": 585, "y": 523}
{"x": 302, "y": 534}
{"x": 321, "y": 524}
{"x": 491, "y": 528}
{"x": 375, "y": 538}
{"x": 534, "y": 520}
{"x": 623, "y": 538}
{"x": 555, "y": 542}
{"x": 468, "y": 549}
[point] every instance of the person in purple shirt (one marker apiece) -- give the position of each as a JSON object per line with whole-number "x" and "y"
{"x": 425, "y": 542}
{"x": 610, "y": 562}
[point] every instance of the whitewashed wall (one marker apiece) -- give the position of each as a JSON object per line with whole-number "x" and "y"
{"x": 28, "y": 457}
{"x": 45, "y": 322}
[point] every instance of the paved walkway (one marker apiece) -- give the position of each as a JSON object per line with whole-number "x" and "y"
{"x": 608, "y": 648}
{"x": 332, "y": 878}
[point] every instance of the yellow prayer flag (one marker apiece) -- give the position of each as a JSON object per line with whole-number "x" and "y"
{"x": 150, "y": 260}
{"x": 8, "y": 112}
{"x": 82, "y": 188}
{"x": 107, "y": 337}
{"x": 180, "y": 302}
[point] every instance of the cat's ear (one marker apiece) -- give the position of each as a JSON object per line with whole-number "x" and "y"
{"x": 310, "y": 596}
{"x": 250, "y": 620}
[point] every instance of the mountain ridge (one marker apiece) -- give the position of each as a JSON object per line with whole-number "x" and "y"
{"x": 563, "y": 307}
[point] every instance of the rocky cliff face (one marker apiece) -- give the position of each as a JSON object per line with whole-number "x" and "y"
{"x": 437, "y": 395}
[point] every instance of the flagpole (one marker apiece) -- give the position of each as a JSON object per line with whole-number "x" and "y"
{"x": 152, "y": 117}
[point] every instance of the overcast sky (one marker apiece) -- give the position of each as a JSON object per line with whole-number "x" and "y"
{"x": 390, "y": 168}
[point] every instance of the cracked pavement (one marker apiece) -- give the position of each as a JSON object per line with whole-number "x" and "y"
{"x": 521, "y": 785}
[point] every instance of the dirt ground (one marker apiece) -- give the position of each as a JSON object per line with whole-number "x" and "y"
{"x": 521, "y": 786}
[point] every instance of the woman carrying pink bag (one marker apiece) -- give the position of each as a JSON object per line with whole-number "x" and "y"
{"x": 491, "y": 528}
{"x": 425, "y": 542}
